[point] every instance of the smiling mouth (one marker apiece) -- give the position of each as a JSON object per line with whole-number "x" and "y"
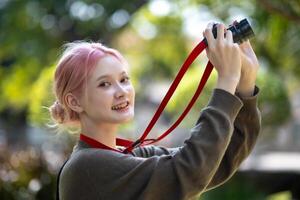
{"x": 120, "y": 106}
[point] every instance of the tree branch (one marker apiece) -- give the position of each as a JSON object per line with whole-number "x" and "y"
{"x": 271, "y": 8}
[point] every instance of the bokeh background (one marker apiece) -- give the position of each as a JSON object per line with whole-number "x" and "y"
{"x": 155, "y": 37}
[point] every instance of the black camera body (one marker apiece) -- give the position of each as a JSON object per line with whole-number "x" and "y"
{"x": 241, "y": 31}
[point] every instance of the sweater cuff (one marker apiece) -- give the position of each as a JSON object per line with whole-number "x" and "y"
{"x": 249, "y": 103}
{"x": 226, "y": 102}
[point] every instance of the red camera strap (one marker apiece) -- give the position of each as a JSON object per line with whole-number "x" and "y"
{"x": 143, "y": 141}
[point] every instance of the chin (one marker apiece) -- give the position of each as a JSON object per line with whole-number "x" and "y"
{"x": 123, "y": 118}
{"x": 127, "y": 119}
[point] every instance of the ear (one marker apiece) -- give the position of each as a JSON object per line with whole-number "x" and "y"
{"x": 73, "y": 103}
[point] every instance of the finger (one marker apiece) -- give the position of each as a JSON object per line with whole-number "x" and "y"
{"x": 246, "y": 47}
{"x": 243, "y": 56}
{"x": 229, "y": 37}
{"x": 210, "y": 25}
{"x": 235, "y": 22}
{"x": 248, "y": 52}
{"x": 246, "y": 44}
{"x": 220, "y": 32}
{"x": 207, "y": 52}
{"x": 208, "y": 34}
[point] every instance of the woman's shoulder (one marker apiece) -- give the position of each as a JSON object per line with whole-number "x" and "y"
{"x": 93, "y": 157}
{"x": 90, "y": 155}
{"x": 88, "y": 167}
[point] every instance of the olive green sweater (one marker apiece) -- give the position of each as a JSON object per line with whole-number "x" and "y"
{"x": 222, "y": 138}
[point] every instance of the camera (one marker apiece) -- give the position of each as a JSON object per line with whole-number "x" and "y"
{"x": 241, "y": 31}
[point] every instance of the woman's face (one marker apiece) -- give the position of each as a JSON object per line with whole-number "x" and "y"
{"x": 110, "y": 94}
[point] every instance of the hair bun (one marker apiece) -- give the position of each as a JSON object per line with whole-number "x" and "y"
{"x": 57, "y": 112}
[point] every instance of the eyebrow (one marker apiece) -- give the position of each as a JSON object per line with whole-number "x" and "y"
{"x": 105, "y": 76}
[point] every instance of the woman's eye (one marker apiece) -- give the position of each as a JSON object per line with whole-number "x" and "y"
{"x": 104, "y": 84}
{"x": 125, "y": 80}
{"x": 107, "y": 84}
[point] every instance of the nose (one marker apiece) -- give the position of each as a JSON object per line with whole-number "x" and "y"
{"x": 120, "y": 91}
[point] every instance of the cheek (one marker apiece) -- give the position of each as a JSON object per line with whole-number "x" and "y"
{"x": 101, "y": 98}
{"x": 131, "y": 91}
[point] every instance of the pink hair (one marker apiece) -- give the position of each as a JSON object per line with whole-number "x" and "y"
{"x": 74, "y": 66}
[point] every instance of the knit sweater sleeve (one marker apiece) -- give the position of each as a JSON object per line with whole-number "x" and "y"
{"x": 246, "y": 130}
{"x": 103, "y": 174}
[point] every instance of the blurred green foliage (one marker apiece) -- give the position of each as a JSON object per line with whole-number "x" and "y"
{"x": 275, "y": 44}
{"x": 41, "y": 95}
{"x": 273, "y": 90}
{"x": 33, "y": 32}
{"x": 236, "y": 189}
{"x": 155, "y": 44}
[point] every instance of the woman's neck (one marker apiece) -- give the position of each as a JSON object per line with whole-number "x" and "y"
{"x": 104, "y": 133}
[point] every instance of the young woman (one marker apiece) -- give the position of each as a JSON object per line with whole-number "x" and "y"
{"x": 93, "y": 90}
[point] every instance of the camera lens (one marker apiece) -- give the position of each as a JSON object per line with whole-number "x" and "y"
{"x": 245, "y": 30}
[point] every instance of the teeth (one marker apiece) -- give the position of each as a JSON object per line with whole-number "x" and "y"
{"x": 120, "y": 106}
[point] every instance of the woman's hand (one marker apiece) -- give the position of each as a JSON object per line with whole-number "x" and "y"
{"x": 250, "y": 67}
{"x": 225, "y": 56}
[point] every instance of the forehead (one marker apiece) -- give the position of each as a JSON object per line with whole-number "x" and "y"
{"x": 109, "y": 65}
